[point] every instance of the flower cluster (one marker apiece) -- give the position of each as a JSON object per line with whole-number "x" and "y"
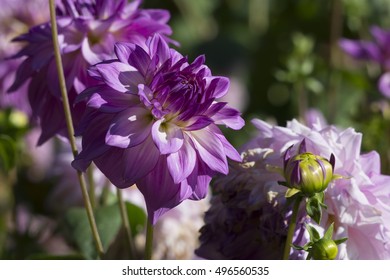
{"x": 358, "y": 206}
{"x": 152, "y": 122}
{"x": 87, "y": 33}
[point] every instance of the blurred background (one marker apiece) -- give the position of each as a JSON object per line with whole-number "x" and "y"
{"x": 283, "y": 59}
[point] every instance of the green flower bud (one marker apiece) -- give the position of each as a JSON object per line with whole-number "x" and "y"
{"x": 307, "y": 172}
{"x": 324, "y": 249}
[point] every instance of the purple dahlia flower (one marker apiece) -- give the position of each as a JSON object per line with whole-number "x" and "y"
{"x": 87, "y": 31}
{"x": 377, "y": 50}
{"x": 153, "y": 122}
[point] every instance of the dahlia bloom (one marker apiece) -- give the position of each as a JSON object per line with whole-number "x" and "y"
{"x": 87, "y": 31}
{"x": 358, "y": 204}
{"x": 153, "y": 122}
{"x": 376, "y": 51}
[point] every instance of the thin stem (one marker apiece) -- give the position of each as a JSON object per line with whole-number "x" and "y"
{"x": 291, "y": 228}
{"x": 69, "y": 124}
{"x": 126, "y": 223}
{"x": 91, "y": 183}
{"x": 149, "y": 241}
{"x": 104, "y": 196}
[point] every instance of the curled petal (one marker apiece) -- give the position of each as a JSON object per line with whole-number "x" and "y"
{"x": 167, "y": 136}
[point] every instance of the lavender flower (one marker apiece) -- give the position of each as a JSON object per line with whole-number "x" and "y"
{"x": 358, "y": 206}
{"x": 152, "y": 122}
{"x": 87, "y": 31}
{"x": 376, "y": 50}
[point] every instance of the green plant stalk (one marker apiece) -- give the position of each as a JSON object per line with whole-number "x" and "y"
{"x": 126, "y": 224}
{"x": 149, "y": 241}
{"x": 291, "y": 228}
{"x": 91, "y": 183}
{"x": 69, "y": 124}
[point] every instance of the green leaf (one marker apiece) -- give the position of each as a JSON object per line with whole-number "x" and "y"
{"x": 296, "y": 247}
{"x": 314, "y": 235}
{"x": 108, "y": 221}
{"x": 137, "y": 218}
{"x": 329, "y": 233}
{"x": 291, "y": 192}
{"x": 305, "y": 247}
{"x": 314, "y": 85}
{"x": 8, "y": 152}
{"x": 341, "y": 240}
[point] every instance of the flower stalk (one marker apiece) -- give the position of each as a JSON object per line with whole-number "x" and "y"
{"x": 149, "y": 241}
{"x": 69, "y": 124}
{"x": 126, "y": 223}
{"x": 291, "y": 227}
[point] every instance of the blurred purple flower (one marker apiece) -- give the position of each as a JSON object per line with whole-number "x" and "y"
{"x": 87, "y": 31}
{"x": 377, "y": 50}
{"x": 358, "y": 206}
{"x": 153, "y": 123}
{"x": 14, "y": 21}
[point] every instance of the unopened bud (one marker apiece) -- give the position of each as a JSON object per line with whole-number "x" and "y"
{"x": 324, "y": 249}
{"x": 307, "y": 172}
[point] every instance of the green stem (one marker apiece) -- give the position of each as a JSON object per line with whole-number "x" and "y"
{"x": 69, "y": 124}
{"x": 149, "y": 241}
{"x": 126, "y": 223}
{"x": 291, "y": 228}
{"x": 104, "y": 196}
{"x": 91, "y": 183}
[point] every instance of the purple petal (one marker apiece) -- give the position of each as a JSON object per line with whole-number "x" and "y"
{"x": 129, "y": 128}
{"x": 140, "y": 160}
{"x": 384, "y": 84}
{"x": 167, "y": 136}
{"x": 361, "y": 49}
{"x": 381, "y": 36}
{"x": 160, "y": 192}
{"x": 210, "y": 150}
{"x": 119, "y": 76}
{"x": 217, "y": 86}
{"x": 93, "y": 140}
{"x": 89, "y": 55}
{"x": 133, "y": 55}
{"x": 302, "y": 146}
{"x": 199, "y": 122}
{"x": 182, "y": 163}
{"x": 111, "y": 165}
{"x": 199, "y": 181}
{"x": 158, "y": 46}
{"x": 230, "y": 151}
{"x": 229, "y": 117}
{"x": 105, "y": 99}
